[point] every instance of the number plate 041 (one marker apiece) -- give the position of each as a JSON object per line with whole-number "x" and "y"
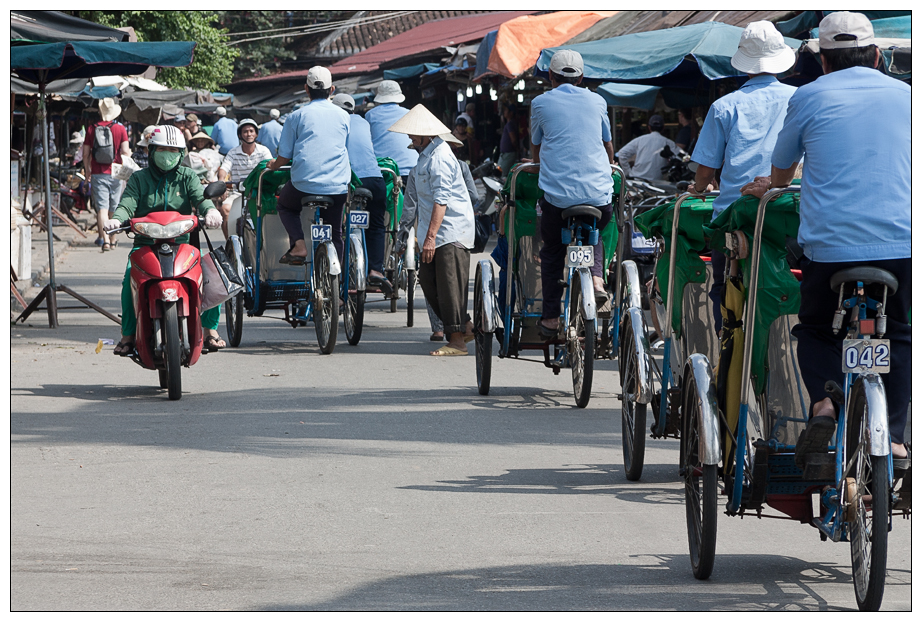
{"x": 579, "y": 256}
{"x": 321, "y": 233}
{"x": 866, "y": 355}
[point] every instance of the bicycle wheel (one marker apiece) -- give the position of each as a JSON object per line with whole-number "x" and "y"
{"x": 581, "y": 350}
{"x": 354, "y": 307}
{"x": 326, "y": 301}
{"x": 869, "y": 505}
{"x": 700, "y": 488}
{"x": 411, "y": 292}
{"x": 633, "y": 415}
{"x": 233, "y": 316}
{"x": 483, "y": 342}
{"x": 172, "y": 350}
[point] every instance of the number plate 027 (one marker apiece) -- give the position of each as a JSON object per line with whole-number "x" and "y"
{"x": 579, "y": 256}
{"x": 321, "y": 233}
{"x": 866, "y": 355}
{"x": 359, "y": 219}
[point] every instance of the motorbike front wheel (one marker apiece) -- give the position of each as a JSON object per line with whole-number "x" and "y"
{"x": 172, "y": 350}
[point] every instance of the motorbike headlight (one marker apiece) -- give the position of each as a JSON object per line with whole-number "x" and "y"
{"x": 163, "y": 232}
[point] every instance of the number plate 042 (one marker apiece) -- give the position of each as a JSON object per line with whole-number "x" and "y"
{"x": 359, "y": 219}
{"x": 579, "y": 256}
{"x": 866, "y": 355}
{"x": 321, "y": 233}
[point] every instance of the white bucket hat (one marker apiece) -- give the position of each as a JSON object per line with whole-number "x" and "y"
{"x": 145, "y": 135}
{"x": 319, "y": 78}
{"x": 419, "y": 122}
{"x": 389, "y": 93}
{"x": 76, "y": 138}
{"x": 108, "y": 109}
{"x": 567, "y": 63}
{"x": 853, "y": 30}
{"x": 762, "y": 50}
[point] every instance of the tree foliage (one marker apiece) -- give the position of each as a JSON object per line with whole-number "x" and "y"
{"x": 213, "y": 62}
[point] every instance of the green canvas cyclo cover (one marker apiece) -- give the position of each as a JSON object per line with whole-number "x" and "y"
{"x": 391, "y": 173}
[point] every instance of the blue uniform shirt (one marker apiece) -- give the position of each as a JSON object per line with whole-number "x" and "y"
{"x": 269, "y": 135}
{"x": 314, "y": 139}
{"x": 852, "y": 128}
{"x": 390, "y": 144}
{"x": 361, "y": 153}
{"x": 439, "y": 179}
{"x": 570, "y": 123}
{"x": 224, "y": 133}
{"x": 739, "y": 134}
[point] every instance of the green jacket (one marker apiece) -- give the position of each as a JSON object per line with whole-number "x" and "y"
{"x": 149, "y": 190}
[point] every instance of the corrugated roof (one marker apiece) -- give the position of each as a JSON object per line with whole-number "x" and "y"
{"x": 425, "y": 38}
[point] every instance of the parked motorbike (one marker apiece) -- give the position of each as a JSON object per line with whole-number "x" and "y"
{"x": 166, "y": 283}
{"x": 679, "y": 166}
{"x": 485, "y": 208}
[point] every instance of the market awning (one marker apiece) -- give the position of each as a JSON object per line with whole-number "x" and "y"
{"x": 58, "y": 27}
{"x": 427, "y": 37}
{"x": 519, "y": 41}
{"x": 674, "y": 57}
{"x": 629, "y": 95}
{"x": 411, "y": 71}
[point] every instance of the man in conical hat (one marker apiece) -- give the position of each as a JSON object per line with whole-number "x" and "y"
{"x": 445, "y": 226}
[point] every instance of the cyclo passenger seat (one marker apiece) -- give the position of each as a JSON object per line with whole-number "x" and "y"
{"x": 581, "y": 210}
{"x": 317, "y": 199}
{"x": 865, "y": 274}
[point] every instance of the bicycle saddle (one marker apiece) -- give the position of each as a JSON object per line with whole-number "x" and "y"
{"x": 865, "y": 274}
{"x": 581, "y": 210}
{"x": 362, "y": 193}
{"x": 315, "y": 199}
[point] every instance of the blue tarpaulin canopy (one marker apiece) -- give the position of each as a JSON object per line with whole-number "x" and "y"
{"x": 675, "y": 57}
{"x": 411, "y": 71}
{"x": 629, "y": 95}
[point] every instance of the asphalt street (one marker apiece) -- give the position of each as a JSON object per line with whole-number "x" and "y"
{"x": 375, "y": 478}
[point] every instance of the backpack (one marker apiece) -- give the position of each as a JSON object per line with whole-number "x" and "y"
{"x": 103, "y": 147}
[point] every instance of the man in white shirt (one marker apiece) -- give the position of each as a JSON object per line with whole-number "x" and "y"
{"x": 643, "y": 153}
{"x": 239, "y": 162}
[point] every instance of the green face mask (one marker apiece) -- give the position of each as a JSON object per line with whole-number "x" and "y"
{"x": 166, "y": 160}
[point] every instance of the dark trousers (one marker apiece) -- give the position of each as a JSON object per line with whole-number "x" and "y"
{"x": 445, "y": 284}
{"x": 554, "y": 254}
{"x": 289, "y": 205}
{"x": 719, "y": 267}
{"x": 377, "y": 211}
{"x": 819, "y": 350}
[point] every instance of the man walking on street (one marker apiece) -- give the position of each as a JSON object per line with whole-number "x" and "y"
{"x": 271, "y": 132}
{"x": 224, "y": 132}
{"x": 446, "y": 226}
{"x": 105, "y": 144}
{"x": 571, "y": 139}
{"x": 385, "y": 113}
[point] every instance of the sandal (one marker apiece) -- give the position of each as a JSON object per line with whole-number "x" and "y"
{"x": 213, "y": 344}
{"x": 106, "y": 247}
{"x": 292, "y": 260}
{"x": 123, "y": 349}
{"x": 381, "y": 283}
{"x": 448, "y": 351}
{"x": 437, "y": 337}
{"x": 547, "y": 332}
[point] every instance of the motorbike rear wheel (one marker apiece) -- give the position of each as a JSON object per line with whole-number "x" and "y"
{"x": 172, "y": 350}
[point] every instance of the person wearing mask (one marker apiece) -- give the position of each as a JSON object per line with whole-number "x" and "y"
{"x": 641, "y": 157}
{"x": 239, "y": 162}
{"x": 271, "y": 132}
{"x": 224, "y": 131}
{"x": 314, "y": 142}
{"x": 105, "y": 144}
{"x": 385, "y": 113}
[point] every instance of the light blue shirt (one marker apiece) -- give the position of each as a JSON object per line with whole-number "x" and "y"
{"x": 571, "y": 123}
{"x": 269, "y": 135}
{"x": 390, "y": 144}
{"x": 739, "y": 134}
{"x": 224, "y": 133}
{"x": 361, "y": 153}
{"x": 439, "y": 180}
{"x": 853, "y": 129}
{"x": 314, "y": 139}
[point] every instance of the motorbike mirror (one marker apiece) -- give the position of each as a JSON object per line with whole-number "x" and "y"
{"x": 492, "y": 184}
{"x": 215, "y": 189}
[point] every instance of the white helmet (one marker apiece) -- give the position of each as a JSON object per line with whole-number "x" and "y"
{"x": 167, "y": 136}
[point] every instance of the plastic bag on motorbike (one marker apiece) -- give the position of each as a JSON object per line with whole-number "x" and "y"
{"x": 220, "y": 279}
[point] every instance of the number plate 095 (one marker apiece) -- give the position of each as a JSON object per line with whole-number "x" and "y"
{"x": 579, "y": 256}
{"x": 866, "y": 355}
{"x": 321, "y": 233}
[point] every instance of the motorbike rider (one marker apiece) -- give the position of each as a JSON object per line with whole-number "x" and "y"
{"x": 163, "y": 186}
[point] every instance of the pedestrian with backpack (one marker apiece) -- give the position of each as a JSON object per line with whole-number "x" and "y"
{"x": 105, "y": 144}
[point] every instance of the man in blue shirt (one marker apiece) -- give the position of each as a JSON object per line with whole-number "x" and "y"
{"x": 365, "y": 166}
{"x": 740, "y": 130}
{"x": 446, "y": 227}
{"x": 571, "y": 139}
{"x": 314, "y": 142}
{"x": 224, "y": 132}
{"x": 385, "y": 113}
{"x": 852, "y": 128}
{"x": 270, "y": 133}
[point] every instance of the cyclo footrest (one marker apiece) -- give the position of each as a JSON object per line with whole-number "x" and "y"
{"x": 820, "y": 467}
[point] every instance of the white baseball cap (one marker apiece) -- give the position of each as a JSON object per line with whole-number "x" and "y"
{"x": 845, "y": 29}
{"x": 762, "y": 50}
{"x": 220, "y": 111}
{"x": 344, "y": 101}
{"x": 319, "y": 78}
{"x": 389, "y": 93}
{"x": 567, "y": 63}
{"x": 274, "y": 113}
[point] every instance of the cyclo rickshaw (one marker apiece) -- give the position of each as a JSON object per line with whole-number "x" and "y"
{"x": 400, "y": 253}
{"x": 306, "y": 293}
{"x": 510, "y": 308}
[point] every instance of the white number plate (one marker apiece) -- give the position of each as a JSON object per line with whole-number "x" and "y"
{"x": 866, "y": 355}
{"x": 579, "y": 256}
{"x": 359, "y": 219}
{"x": 321, "y": 233}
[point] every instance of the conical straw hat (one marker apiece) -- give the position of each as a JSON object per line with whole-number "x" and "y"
{"x": 419, "y": 122}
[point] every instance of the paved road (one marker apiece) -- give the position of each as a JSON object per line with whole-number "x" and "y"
{"x": 374, "y": 478}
